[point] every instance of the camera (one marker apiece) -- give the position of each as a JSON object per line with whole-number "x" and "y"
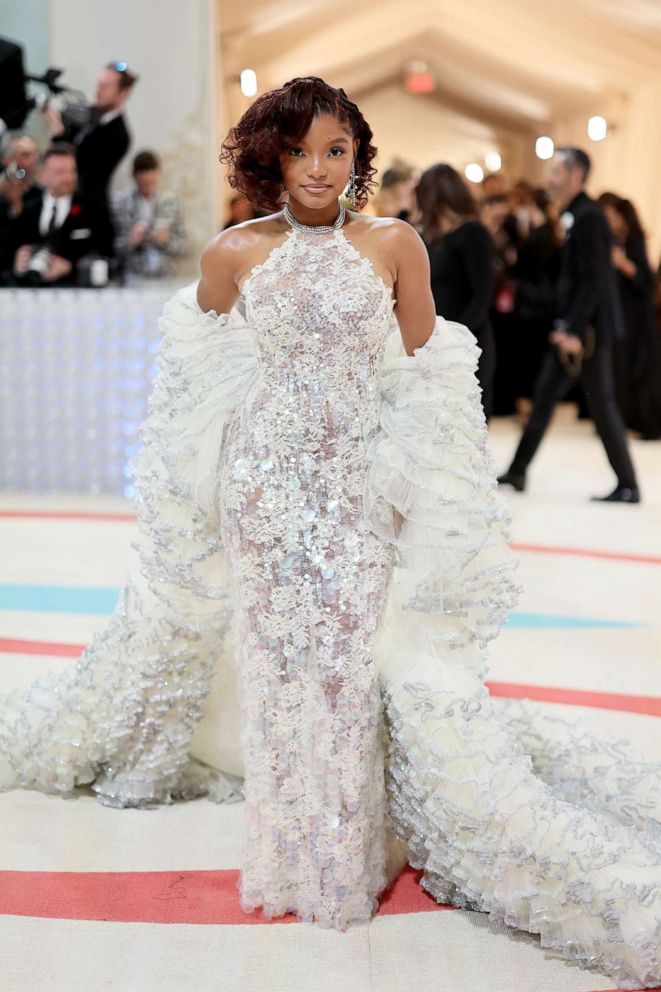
{"x": 76, "y": 111}
{"x": 38, "y": 267}
{"x": 13, "y": 174}
{"x": 74, "y": 108}
{"x": 93, "y": 271}
{"x": 18, "y": 97}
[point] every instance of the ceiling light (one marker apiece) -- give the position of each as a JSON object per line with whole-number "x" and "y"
{"x": 493, "y": 161}
{"x": 544, "y": 147}
{"x": 248, "y": 82}
{"x": 474, "y": 172}
{"x": 597, "y": 128}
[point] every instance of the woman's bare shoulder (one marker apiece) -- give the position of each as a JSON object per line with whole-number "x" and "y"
{"x": 396, "y": 231}
{"x": 394, "y": 241}
{"x": 229, "y": 255}
{"x": 235, "y": 243}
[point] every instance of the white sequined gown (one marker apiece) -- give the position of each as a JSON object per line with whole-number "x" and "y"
{"x": 310, "y": 581}
{"x": 323, "y": 561}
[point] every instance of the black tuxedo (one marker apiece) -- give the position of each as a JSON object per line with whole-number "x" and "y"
{"x": 587, "y": 294}
{"x": 99, "y": 150}
{"x": 84, "y": 230}
{"x": 587, "y": 306}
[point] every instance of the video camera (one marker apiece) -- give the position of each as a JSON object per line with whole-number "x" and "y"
{"x": 17, "y": 98}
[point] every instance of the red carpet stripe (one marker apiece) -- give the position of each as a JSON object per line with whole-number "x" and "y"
{"x": 10, "y": 645}
{"x": 185, "y": 897}
{"x": 544, "y": 549}
{"x": 648, "y": 705}
{"x": 66, "y": 515}
{"x": 196, "y": 897}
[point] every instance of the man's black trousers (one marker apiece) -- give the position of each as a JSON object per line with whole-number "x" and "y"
{"x": 553, "y": 383}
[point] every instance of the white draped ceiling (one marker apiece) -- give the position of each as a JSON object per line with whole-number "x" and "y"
{"x": 506, "y": 71}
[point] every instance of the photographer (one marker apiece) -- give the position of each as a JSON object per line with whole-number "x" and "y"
{"x": 103, "y": 139}
{"x": 18, "y": 188}
{"x": 48, "y": 239}
{"x": 149, "y": 229}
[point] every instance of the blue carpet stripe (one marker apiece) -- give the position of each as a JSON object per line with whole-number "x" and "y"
{"x": 529, "y": 621}
{"x": 58, "y": 599}
{"x": 83, "y": 599}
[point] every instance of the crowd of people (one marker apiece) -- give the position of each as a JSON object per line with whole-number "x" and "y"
{"x": 60, "y": 225}
{"x": 496, "y": 257}
{"x": 504, "y": 261}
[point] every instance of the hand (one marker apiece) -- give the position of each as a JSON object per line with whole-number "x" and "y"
{"x": 22, "y": 260}
{"x": 58, "y": 267}
{"x": 568, "y": 344}
{"x": 138, "y": 232}
{"x": 622, "y": 262}
{"x": 618, "y": 256}
{"x": 53, "y": 118}
{"x": 160, "y": 236}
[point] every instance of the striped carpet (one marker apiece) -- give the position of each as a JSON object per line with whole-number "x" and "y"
{"x": 93, "y": 898}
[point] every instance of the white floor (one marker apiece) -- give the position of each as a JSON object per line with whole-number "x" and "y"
{"x": 42, "y": 949}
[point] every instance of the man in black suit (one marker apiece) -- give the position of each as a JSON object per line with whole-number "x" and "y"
{"x": 588, "y": 315}
{"x": 103, "y": 142}
{"x": 62, "y": 222}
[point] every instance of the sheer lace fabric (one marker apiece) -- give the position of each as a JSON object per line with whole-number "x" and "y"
{"x": 272, "y": 454}
{"x": 309, "y": 583}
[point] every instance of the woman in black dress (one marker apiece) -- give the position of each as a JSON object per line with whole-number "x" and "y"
{"x": 535, "y": 273}
{"x": 461, "y": 258}
{"x": 636, "y": 356}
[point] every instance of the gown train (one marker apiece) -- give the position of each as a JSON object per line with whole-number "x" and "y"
{"x": 246, "y": 610}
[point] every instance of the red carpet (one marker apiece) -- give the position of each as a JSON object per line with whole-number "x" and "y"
{"x": 200, "y": 897}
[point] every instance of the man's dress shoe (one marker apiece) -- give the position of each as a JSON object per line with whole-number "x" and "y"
{"x": 621, "y": 494}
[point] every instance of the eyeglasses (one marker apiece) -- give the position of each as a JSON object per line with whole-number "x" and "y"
{"x": 118, "y": 66}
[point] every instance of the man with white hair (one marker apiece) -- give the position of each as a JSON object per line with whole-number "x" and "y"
{"x": 44, "y": 245}
{"x": 18, "y": 188}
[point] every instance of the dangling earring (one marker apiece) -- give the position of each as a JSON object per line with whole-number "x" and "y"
{"x": 352, "y": 189}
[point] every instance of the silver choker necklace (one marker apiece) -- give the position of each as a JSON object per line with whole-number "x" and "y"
{"x": 323, "y": 229}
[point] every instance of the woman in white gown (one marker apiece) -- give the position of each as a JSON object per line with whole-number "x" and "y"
{"x": 318, "y": 522}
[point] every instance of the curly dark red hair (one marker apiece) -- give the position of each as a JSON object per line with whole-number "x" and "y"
{"x": 275, "y": 123}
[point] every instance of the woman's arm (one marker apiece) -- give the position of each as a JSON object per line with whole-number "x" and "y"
{"x": 217, "y": 289}
{"x": 415, "y": 311}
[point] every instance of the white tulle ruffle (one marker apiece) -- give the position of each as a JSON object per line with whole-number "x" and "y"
{"x": 484, "y": 824}
{"x": 122, "y": 718}
{"x": 149, "y": 712}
